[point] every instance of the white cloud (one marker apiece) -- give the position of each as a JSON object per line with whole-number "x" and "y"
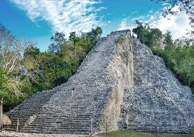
{"x": 126, "y": 25}
{"x": 123, "y": 24}
{"x": 63, "y": 15}
{"x": 152, "y": 18}
{"x": 176, "y": 24}
{"x": 134, "y": 12}
{"x": 128, "y": 22}
{"x": 101, "y": 8}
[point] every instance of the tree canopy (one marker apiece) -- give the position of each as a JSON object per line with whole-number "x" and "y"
{"x": 25, "y": 70}
{"x": 183, "y": 5}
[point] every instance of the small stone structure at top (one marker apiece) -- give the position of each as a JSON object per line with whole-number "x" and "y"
{"x": 120, "y": 85}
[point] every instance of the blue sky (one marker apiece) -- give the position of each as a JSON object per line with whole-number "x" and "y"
{"x": 39, "y": 19}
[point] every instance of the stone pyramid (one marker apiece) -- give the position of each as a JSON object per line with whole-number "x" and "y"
{"x": 120, "y": 85}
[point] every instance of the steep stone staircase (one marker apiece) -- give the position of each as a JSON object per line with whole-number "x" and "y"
{"x": 74, "y": 118}
{"x": 58, "y": 112}
{"x": 28, "y": 108}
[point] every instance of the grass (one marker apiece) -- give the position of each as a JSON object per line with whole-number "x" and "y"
{"x": 192, "y": 130}
{"x": 139, "y": 134}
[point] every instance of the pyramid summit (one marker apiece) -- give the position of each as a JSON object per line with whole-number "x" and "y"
{"x": 120, "y": 85}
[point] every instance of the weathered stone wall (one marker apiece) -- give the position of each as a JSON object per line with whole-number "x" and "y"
{"x": 121, "y": 85}
{"x": 120, "y": 71}
{"x": 157, "y": 99}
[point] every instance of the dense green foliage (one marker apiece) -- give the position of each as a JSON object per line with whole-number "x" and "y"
{"x": 33, "y": 71}
{"x": 177, "y": 55}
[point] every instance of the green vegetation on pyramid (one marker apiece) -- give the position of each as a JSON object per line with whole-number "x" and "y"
{"x": 177, "y": 55}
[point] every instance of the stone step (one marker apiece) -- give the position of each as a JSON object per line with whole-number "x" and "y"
{"x": 74, "y": 125}
{"x": 60, "y": 132}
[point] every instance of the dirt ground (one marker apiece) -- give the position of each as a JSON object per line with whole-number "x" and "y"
{"x": 14, "y": 134}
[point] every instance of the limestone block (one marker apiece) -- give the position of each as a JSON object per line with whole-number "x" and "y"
{"x": 6, "y": 120}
